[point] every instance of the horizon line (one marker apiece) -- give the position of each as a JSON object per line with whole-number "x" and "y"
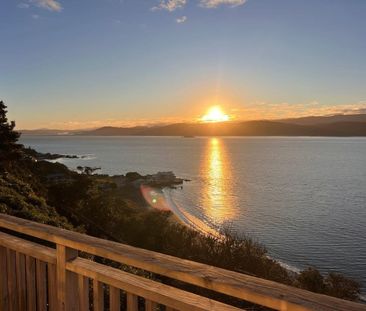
{"x": 161, "y": 124}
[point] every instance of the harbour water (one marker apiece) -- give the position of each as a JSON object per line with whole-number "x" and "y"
{"x": 303, "y": 198}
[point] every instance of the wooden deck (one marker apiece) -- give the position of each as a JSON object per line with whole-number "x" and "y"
{"x": 54, "y": 277}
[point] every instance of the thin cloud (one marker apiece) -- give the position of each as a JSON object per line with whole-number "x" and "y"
{"x": 23, "y": 5}
{"x": 35, "y": 16}
{"x": 262, "y": 110}
{"x": 211, "y": 4}
{"x": 181, "y": 20}
{"x": 51, "y": 5}
{"x": 170, "y": 5}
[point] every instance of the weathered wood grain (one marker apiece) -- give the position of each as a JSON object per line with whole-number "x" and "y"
{"x": 31, "y": 283}
{"x": 98, "y": 296}
{"x": 41, "y": 280}
{"x": 66, "y": 282}
{"x": 83, "y": 293}
{"x": 21, "y": 281}
{"x": 150, "y": 305}
{"x": 114, "y": 299}
{"x": 4, "y": 295}
{"x": 51, "y": 287}
{"x": 31, "y": 249}
{"x": 132, "y": 302}
{"x": 12, "y": 280}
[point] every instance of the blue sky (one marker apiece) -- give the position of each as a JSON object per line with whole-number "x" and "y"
{"x": 87, "y": 63}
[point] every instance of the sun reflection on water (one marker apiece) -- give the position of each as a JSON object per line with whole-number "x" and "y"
{"x": 218, "y": 197}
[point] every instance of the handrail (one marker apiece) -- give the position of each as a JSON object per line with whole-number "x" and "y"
{"x": 144, "y": 287}
{"x": 262, "y": 292}
{"x": 126, "y": 281}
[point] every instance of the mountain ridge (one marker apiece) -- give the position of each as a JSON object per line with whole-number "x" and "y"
{"x": 337, "y": 125}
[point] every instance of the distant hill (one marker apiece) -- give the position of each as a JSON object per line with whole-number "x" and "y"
{"x": 114, "y": 131}
{"x": 326, "y": 119}
{"x": 248, "y": 128}
{"x": 337, "y": 125}
{"x": 46, "y": 132}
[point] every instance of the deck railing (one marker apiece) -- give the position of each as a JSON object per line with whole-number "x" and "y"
{"x": 38, "y": 277}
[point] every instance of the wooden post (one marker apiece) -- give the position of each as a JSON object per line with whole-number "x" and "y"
{"x": 67, "y": 282}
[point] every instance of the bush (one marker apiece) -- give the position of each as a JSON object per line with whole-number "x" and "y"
{"x": 311, "y": 279}
{"x": 333, "y": 284}
{"x": 338, "y": 285}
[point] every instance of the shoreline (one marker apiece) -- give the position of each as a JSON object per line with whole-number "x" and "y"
{"x": 181, "y": 217}
{"x": 191, "y": 221}
{"x": 67, "y": 161}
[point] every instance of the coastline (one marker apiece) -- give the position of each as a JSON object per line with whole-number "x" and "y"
{"x": 205, "y": 229}
{"x": 178, "y": 214}
{"x": 69, "y": 162}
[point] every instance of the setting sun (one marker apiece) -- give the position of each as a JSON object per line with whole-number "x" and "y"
{"x": 215, "y": 114}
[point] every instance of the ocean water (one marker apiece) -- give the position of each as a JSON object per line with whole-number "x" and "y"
{"x": 303, "y": 198}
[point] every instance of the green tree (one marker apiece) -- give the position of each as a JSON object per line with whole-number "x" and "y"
{"x": 9, "y": 148}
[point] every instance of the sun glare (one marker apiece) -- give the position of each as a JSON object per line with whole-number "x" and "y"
{"x": 215, "y": 114}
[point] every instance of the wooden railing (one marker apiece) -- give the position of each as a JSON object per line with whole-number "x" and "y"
{"x": 38, "y": 277}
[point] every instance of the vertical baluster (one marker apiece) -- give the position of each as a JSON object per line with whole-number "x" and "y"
{"x": 114, "y": 299}
{"x": 98, "y": 296}
{"x": 31, "y": 283}
{"x": 41, "y": 285}
{"x": 21, "y": 281}
{"x": 12, "y": 280}
{"x": 67, "y": 282}
{"x": 83, "y": 293}
{"x": 4, "y": 295}
{"x": 52, "y": 287}
{"x": 150, "y": 305}
{"x": 132, "y": 302}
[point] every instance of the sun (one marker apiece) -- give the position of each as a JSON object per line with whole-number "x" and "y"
{"x": 215, "y": 114}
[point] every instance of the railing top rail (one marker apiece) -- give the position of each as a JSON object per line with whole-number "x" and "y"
{"x": 253, "y": 289}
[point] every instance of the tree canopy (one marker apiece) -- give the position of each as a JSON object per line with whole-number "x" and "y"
{"x": 8, "y": 136}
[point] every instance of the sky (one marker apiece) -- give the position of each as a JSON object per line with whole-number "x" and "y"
{"x": 70, "y": 64}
